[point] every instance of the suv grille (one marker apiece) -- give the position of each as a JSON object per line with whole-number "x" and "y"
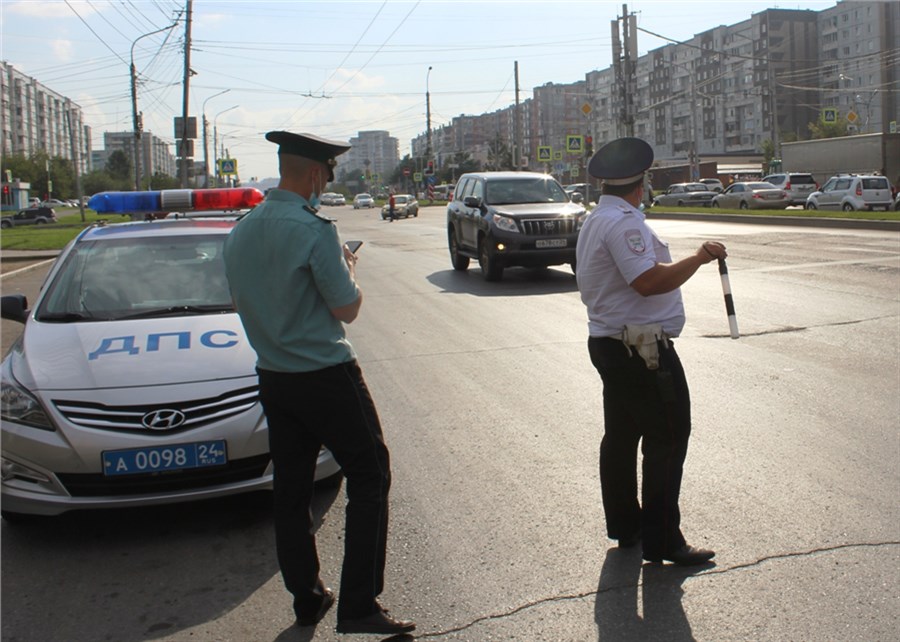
{"x": 96, "y": 485}
{"x": 160, "y": 418}
{"x": 548, "y": 226}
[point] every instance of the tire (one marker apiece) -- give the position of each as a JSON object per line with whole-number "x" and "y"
{"x": 715, "y": 204}
{"x": 744, "y": 205}
{"x": 5, "y": 225}
{"x": 490, "y": 265}
{"x": 680, "y": 203}
{"x": 810, "y": 206}
{"x": 41, "y": 221}
{"x": 459, "y": 262}
{"x": 848, "y": 208}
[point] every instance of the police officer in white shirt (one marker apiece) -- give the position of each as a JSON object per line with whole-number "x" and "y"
{"x": 630, "y": 286}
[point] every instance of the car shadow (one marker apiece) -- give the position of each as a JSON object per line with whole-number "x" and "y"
{"x": 139, "y": 573}
{"x": 517, "y": 281}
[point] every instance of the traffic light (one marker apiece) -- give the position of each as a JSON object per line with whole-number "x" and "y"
{"x": 429, "y": 169}
{"x": 589, "y": 145}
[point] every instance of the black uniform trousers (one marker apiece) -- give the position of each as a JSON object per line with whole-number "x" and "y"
{"x": 333, "y": 407}
{"x": 652, "y": 407}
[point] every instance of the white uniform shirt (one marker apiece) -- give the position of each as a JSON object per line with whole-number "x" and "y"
{"x": 615, "y": 246}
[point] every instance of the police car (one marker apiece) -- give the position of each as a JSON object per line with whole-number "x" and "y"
{"x": 133, "y": 382}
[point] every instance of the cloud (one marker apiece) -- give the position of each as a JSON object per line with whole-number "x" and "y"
{"x": 48, "y": 10}
{"x": 63, "y": 50}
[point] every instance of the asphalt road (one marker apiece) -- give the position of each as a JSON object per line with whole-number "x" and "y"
{"x": 492, "y": 412}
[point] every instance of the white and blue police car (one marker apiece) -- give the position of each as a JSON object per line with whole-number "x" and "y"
{"x": 133, "y": 382}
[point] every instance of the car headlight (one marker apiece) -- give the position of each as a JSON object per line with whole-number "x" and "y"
{"x": 18, "y": 405}
{"x": 505, "y": 223}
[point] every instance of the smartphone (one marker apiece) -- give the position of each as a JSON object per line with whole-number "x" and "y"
{"x": 353, "y": 246}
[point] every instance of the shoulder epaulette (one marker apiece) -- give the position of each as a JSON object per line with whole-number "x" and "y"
{"x": 315, "y": 213}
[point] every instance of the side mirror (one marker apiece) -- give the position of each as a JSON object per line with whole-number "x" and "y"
{"x": 14, "y": 307}
{"x": 577, "y": 197}
{"x": 472, "y": 201}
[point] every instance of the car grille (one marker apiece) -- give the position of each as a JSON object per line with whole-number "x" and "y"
{"x": 162, "y": 418}
{"x": 97, "y": 485}
{"x": 547, "y": 226}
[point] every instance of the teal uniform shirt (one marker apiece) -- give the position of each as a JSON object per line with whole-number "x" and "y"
{"x": 286, "y": 269}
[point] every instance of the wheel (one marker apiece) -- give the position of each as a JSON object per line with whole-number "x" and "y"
{"x": 848, "y": 208}
{"x": 459, "y": 262}
{"x": 655, "y": 203}
{"x": 41, "y": 221}
{"x": 490, "y": 265}
{"x": 715, "y": 204}
{"x": 5, "y": 224}
{"x": 416, "y": 213}
{"x": 744, "y": 205}
{"x": 810, "y": 205}
{"x": 680, "y": 203}
{"x": 384, "y": 216}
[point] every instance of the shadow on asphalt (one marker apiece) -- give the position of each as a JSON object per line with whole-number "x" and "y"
{"x": 517, "y": 281}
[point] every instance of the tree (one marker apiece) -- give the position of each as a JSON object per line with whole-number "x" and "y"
{"x": 499, "y": 155}
{"x": 821, "y": 129}
{"x": 118, "y": 165}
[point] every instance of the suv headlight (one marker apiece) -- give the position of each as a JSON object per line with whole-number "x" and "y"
{"x": 505, "y": 223}
{"x": 21, "y": 407}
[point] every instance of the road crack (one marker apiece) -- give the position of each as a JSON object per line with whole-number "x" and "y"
{"x": 616, "y": 587}
{"x": 794, "y": 328}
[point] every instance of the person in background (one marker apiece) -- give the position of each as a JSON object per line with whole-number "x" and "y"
{"x": 630, "y": 287}
{"x": 391, "y": 204}
{"x": 294, "y": 288}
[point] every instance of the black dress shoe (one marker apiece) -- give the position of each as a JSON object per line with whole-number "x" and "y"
{"x": 379, "y": 622}
{"x": 310, "y": 620}
{"x": 685, "y": 556}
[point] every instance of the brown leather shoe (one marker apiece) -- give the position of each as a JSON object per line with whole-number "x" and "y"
{"x": 315, "y": 618}
{"x": 685, "y": 556}
{"x": 379, "y": 622}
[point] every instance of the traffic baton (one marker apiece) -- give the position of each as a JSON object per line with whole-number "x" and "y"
{"x": 729, "y": 300}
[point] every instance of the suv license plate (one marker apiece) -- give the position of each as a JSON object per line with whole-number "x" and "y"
{"x": 161, "y": 458}
{"x": 552, "y": 243}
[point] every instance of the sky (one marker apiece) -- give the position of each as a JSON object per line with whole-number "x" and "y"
{"x": 328, "y": 68}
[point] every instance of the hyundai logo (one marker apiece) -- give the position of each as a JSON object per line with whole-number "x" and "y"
{"x": 166, "y": 419}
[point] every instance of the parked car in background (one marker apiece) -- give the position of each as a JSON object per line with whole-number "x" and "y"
{"x": 511, "y": 218}
{"x": 328, "y": 198}
{"x": 405, "y": 205}
{"x": 713, "y": 184}
{"x": 850, "y": 193}
{"x": 589, "y": 193}
{"x": 54, "y": 202}
{"x": 797, "y": 185}
{"x": 30, "y": 216}
{"x": 685, "y": 194}
{"x": 34, "y": 201}
{"x": 753, "y": 196}
{"x": 363, "y": 200}
{"x": 125, "y": 391}
{"x": 338, "y": 199}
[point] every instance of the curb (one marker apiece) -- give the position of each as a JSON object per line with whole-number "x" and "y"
{"x": 800, "y": 221}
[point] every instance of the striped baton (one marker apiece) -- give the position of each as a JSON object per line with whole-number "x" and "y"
{"x": 729, "y": 300}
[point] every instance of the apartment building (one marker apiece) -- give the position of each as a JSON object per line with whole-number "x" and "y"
{"x": 156, "y": 157}
{"x": 34, "y": 118}
{"x": 374, "y": 151}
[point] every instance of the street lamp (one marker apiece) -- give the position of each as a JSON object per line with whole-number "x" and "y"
{"x": 135, "y": 117}
{"x": 205, "y": 144}
{"x": 427, "y": 116}
{"x": 216, "y": 141}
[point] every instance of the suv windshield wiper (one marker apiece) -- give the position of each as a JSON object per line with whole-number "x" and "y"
{"x": 176, "y": 310}
{"x": 65, "y": 317}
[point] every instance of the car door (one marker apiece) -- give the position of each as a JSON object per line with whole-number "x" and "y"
{"x": 731, "y": 196}
{"x": 831, "y": 198}
{"x": 473, "y": 215}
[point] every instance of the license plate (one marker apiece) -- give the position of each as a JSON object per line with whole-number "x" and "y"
{"x": 552, "y": 243}
{"x": 162, "y": 458}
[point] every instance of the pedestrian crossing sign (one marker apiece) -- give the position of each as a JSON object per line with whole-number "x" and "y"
{"x": 227, "y": 166}
{"x": 575, "y": 143}
{"x": 544, "y": 153}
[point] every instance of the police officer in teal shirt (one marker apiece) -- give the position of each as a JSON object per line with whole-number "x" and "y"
{"x": 294, "y": 287}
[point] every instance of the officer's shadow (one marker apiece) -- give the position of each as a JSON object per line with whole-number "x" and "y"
{"x": 639, "y": 601}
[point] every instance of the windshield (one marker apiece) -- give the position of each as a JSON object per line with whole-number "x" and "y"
{"x": 139, "y": 277}
{"x": 523, "y": 190}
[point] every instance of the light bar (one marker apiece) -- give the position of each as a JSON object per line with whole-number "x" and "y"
{"x": 225, "y": 198}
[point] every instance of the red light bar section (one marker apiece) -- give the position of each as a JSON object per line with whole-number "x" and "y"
{"x": 226, "y": 198}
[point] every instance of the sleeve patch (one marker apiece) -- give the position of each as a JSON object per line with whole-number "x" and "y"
{"x": 635, "y": 241}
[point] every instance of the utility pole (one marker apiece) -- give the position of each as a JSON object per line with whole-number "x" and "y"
{"x": 517, "y": 145}
{"x": 186, "y": 93}
{"x": 623, "y": 61}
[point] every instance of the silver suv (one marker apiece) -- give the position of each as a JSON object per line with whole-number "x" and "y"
{"x": 850, "y": 193}
{"x": 503, "y": 219}
{"x": 797, "y": 185}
